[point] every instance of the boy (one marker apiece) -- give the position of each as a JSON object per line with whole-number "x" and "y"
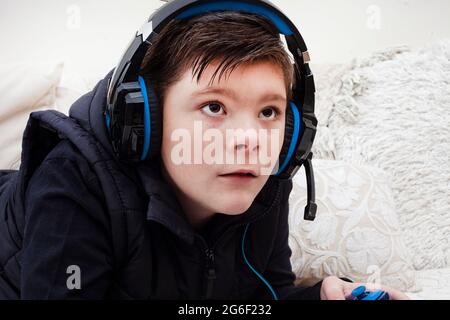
{"x": 172, "y": 230}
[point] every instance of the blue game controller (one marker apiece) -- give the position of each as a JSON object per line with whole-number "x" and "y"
{"x": 361, "y": 293}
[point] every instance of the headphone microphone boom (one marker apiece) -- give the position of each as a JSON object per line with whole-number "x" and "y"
{"x": 133, "y": 117}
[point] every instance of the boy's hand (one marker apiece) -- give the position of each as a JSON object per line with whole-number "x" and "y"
{"x": 334, "y": 288}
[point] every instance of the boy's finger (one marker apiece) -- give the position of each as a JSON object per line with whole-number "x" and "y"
{"x": 350, "y": 286}
{"x": 335, "y": 293}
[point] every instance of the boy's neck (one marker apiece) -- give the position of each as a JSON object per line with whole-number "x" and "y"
{"x": 197, "y": 217}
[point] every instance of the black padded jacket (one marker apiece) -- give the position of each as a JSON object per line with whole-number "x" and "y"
{"x": 74, "y": 210}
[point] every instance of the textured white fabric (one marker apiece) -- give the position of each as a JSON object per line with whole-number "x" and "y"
{"x": 327, "y": 78}
{"x": 435, "y": 284}
{"x": 356, "y": 233}
{"x": 392, "y": 110}
{"x": 24, "y": 87}
{"x": 71, "y": 87}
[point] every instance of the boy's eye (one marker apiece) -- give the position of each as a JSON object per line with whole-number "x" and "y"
{"x": 269, "y": 113}
{"x": 213, "y": 109}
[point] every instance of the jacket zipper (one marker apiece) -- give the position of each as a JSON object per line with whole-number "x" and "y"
{"x": 210, "y": 271}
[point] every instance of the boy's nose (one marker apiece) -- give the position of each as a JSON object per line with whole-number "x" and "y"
{"x": 245, "y": 139}
{"x": 247, "y": 149}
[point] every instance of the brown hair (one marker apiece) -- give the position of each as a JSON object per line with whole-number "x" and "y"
{"x": 232, "y": 38}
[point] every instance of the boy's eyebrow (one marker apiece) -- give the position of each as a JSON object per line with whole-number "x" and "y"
{"x": 270, "y": 96}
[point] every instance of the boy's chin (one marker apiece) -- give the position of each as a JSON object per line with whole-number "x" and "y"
{"x": 235, "y": 207}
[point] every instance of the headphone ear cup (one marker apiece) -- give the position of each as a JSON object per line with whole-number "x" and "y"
{"x": 155, "y": 121}
{"x": 288, "y": 131}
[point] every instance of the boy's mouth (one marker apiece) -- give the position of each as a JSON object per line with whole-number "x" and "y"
{"x": 240, "y": 174}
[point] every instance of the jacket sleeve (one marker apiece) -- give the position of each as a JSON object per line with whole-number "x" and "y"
{"x": 279, "y": 270}
{"x": 66, "y": 249}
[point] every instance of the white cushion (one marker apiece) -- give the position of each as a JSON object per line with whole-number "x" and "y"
{"x": 393, "y": 112}
{"x": 70, "y": 88}
{"x": 435, "y": 284}
{"x": 24, "y": 87}
{"x": 356, "y": 233}
{"x": 327, "y": 83}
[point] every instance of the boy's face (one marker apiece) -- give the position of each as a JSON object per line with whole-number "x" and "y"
{"x": 201, "y": 142}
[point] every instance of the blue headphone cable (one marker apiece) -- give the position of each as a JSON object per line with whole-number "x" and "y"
{"x": 253, "y": 269}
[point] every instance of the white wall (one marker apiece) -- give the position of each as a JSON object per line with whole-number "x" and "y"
{"x": 92, "y": 34}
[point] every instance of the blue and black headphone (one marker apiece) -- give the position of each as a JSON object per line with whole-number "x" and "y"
{"x": 133, "y": 116}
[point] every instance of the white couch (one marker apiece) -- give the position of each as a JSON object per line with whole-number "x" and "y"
{"x": 381, "y": 160}
{"x": 383, "y": 173}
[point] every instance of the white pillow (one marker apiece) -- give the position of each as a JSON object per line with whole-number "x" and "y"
{"x": 71, "y": 87}
{"x": 24, "y": 87}
{"x": 356, "y": 233}
{"x": 393, "y": 112}
{"x": 327, "y": 83}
